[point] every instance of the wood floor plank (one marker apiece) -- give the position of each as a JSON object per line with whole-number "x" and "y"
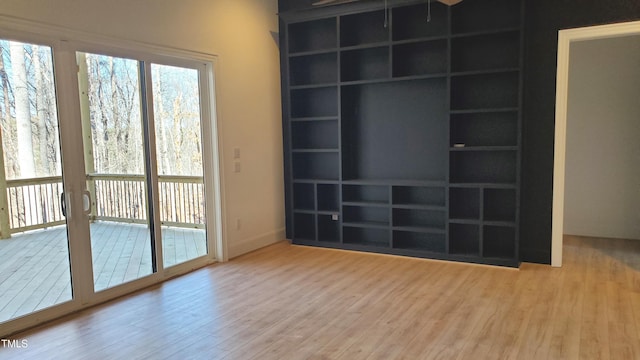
{"x": 295, "y": 302}
{"x": 594, "y": 332}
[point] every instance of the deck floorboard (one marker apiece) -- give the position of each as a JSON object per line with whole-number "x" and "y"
{"x": 34, "y": 266}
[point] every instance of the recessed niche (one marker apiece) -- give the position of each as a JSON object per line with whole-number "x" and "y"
{"x": 388, "y": 128}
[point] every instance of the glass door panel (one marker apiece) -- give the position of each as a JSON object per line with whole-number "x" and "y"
{"x": 178, "y": 135}
{"x": 34, "y": 250}
{"x": 121, "y": 242}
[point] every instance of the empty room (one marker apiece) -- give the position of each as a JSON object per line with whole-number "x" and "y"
{"x": 319, "y": 179}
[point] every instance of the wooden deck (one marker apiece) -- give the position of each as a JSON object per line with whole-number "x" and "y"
{"x": 34, "y": 266}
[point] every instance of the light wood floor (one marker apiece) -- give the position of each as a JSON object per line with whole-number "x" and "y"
{"x": 292, "y": 302}
{"x": 34, "y": 266}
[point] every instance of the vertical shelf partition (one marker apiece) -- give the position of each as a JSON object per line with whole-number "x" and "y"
{"x": 484, "y": 170}
{"x": 405, "y": 139}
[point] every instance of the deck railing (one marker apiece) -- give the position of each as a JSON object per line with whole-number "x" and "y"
{"x": 35, "y": 203}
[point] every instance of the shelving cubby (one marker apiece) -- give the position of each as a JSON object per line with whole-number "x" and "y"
{"x": 366, "y": 216}
{"x": 304, "y": 197}
{"x": 314, "y": 69}
{"x": 485, "y": 91}
{"x": 499, "y": 167}
{"x": 370, "y": 195}
{"x": 499, "y": 242}
{"x": 316, "y": 166}
{"x": 420, "y": 58}
{"x": 315, "y": 135}
{"x": 304, "y": 226}
{"x": 419, "y": 220}
{"x": 464, "y": 204}
{"x": 315, "y": 35}
{"x": 474, "y": 53}
{"x": 328, "y": 228}
{"x": 328, "y": 197}
{"x": 484, "y": 129}
{"x": 419, "y": 197}
{"x": 364, "y": 64}
{"x": 363, "y": 236}
{"x": 420, "y": 241}
{"x": 315, "y": 102}
{"x": 464, "y": 239}
{"x": 500, "y": 205}
{"x": 363, "y": 28}
{"x": 410, "y": 22}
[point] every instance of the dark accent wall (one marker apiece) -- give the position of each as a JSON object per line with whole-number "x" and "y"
{"x": 543, "y": 20}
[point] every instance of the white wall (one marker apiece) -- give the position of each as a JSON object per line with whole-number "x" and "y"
{"x": 602, "y": 191}
{"x": 239, "y": 33}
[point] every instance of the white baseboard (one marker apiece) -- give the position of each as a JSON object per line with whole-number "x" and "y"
{"x": 244, "y": 246}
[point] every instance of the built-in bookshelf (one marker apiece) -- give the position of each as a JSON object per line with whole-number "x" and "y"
{"x": 404, "y": 135}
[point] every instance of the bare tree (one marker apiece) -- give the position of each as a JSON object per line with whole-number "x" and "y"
{"x": 23, "y": 114}
{"x": 41, "y": 112}
{"x": 161, "y": 128}
{"x": 7, "y": 121}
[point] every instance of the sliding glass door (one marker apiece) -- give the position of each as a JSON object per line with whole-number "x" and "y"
{"x": 114, "y": 158}
{"x": 35, "y": 271}
{"x": 178, "y": 137}
{"x": 132, "y": 143}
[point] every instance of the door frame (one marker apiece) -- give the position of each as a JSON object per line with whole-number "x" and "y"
{"x": 65, "y": 43}
{"x": 565, "y": 38}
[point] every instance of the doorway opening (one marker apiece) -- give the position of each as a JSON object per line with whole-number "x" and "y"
{"x": 565, "y": 39}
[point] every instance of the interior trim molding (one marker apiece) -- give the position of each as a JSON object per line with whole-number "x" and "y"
{"x": 565, "y": 38}
{"x": 237, "y": 248}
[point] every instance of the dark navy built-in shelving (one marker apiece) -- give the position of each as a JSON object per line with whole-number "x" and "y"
{"x": 405, "y": 139}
